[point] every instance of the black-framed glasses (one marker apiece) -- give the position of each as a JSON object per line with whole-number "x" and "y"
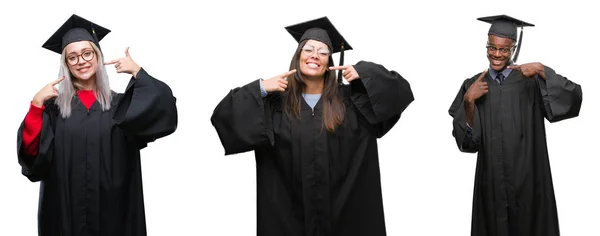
{"x": 493, "y": 49}
{"x": 87, "y": 55}
{"x": 308, "y": 50}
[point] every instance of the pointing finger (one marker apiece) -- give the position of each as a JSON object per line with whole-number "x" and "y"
{"x": 514, "y": 67}
{"x": 286, "y": 74}
{"x": 338, "y": 67}
{"x": 482, "y": 75}
{"x": 111, "y": 62}
{"x": 58, "y": 80}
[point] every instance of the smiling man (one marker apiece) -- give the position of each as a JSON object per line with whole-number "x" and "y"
{"x": 500, "y": 115}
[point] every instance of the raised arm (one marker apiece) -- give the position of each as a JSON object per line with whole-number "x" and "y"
{"x": 379, "y": 94}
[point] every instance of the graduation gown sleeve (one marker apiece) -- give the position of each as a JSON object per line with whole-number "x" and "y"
{"x": 239, "y": 119}
{"x": 147, "y": 110}
{"x": 562, "y": 97}
{"x": 468, "y": 140}
{"x": 380, "y": 95}
{"x": 35, "y": 168}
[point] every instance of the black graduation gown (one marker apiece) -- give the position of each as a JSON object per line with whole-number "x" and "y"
{"x": 311, "y": 181}
{"x": 89, "y": 163}
{"x": 513, "y": 192}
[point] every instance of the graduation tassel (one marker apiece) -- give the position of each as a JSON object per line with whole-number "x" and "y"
{"x": 340, "y": 81}
{"x": 95, "y": 37}
{"x": 518, "y": 46}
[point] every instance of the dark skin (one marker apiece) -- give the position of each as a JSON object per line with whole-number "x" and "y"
{"x": 498, "y": 61}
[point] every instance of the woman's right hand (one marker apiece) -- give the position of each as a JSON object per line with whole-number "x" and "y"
{"x": 47, "y": 92}
{"x": 277, "y": 83}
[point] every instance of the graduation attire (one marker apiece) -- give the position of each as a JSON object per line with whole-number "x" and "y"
{"x": 513, "y": 193}
{"x": 89, "y": 163}
{"x": 311, "y": 181}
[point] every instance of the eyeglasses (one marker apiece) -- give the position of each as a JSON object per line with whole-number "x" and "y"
{"x": 87, "y": 55}
{"x": 308, "y": 50}
{"x": 493, "y": 49}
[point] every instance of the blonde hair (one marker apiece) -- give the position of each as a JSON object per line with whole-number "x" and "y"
{"x": 69, "y": 86}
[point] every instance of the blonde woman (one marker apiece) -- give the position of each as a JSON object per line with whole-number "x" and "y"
{"x": 82, "y": 140}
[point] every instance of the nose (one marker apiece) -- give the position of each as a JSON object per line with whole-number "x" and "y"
{"x": 497, "y": 53}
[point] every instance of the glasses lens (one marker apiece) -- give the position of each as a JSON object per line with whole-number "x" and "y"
{"x": 308, "y": 49}
{"x": 72, "y": 60}
{"x": 88, "y": 55}
{"x": 323, "y": 52}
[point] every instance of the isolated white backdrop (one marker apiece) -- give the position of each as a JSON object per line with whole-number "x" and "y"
{"x": 202, "y": 50}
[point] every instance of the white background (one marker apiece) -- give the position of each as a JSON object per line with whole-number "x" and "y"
{"x": 205, "y": 49}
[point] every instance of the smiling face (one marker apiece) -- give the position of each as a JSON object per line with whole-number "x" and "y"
{"x": 499, "y": 52}
{"x": 314, "y": 59}
{"x": 82, "y": 60}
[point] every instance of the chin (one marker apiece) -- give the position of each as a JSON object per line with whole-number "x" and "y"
{"x": 498, "y": 68}
{"x": 84, "y": 76}
{"x": 312, "y": 73}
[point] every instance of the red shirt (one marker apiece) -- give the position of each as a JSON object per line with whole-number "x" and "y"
{"x": 32, "y": 126}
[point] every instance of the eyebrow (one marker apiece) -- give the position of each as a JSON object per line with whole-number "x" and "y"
{"x": 82, "y": 50}
{"x": 494, "y": 45}
{"x": 327, "y": 48}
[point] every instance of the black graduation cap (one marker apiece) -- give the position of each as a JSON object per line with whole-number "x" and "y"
{"x": 506, "y": 27}
{"x": 322, "y": 30}
{"x": 75, "y": 29}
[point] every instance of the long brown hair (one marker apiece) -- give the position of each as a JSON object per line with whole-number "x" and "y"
{"x": 333, "y": 107}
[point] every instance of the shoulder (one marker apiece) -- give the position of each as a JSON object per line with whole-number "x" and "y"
{"x": 468, "y": 81}
{"x": 50, "y": 104}
{"x": 115, "y": 98}
{"x": 474, "y": 77}
{"x": 274, "y": 100}
{"x": 344, "y": 90}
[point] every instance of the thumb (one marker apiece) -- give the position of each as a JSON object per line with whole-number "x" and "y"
{"x": 127, "y": 52}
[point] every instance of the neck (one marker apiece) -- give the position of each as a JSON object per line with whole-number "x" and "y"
{"x": 88, "y": 84}
{"x": 314, "y": 85}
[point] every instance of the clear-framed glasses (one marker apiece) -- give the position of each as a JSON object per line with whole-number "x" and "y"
{"x": 493, "y": 49}
{"x": 308, "y": 50}
{"x": 87, "y": 55}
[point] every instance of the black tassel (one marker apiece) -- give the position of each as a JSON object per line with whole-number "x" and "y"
{"x": 95, "y": 37}
{"x": 341, "y": 64}
{"x": 518, "y": 46}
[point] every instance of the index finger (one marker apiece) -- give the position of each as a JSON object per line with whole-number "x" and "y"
{"x": 338, "y": 67}
{"x": 482, "y": 75}
{"x": 58, "y": 80}
{"x": 286, "y": 74}
{"x": 514, "y": 67}
{"x": 111, "y": 62}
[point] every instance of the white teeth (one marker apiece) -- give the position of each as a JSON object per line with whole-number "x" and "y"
{"x": 312, "y": 65}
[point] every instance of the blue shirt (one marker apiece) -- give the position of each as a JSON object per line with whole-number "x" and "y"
{"x": 494, "y": 73}
{"x": 311, "y": 99}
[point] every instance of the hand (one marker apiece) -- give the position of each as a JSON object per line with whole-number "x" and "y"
{"x": 125, "y": 64}
{"x": 47, "y": 92}
{"x": 349, "y": 72}
{"x": 277, "y": 83}
{"x": 477, "y": 89}
{"x": 530, "y": 69}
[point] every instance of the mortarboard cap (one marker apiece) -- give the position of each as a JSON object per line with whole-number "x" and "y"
{"x": 322, "y": 30}
{"x": 75, "y": 29}
{"x": 506, "y": 27}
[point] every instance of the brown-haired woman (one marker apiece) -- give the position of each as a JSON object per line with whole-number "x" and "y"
{"x": 315, "y": 139}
